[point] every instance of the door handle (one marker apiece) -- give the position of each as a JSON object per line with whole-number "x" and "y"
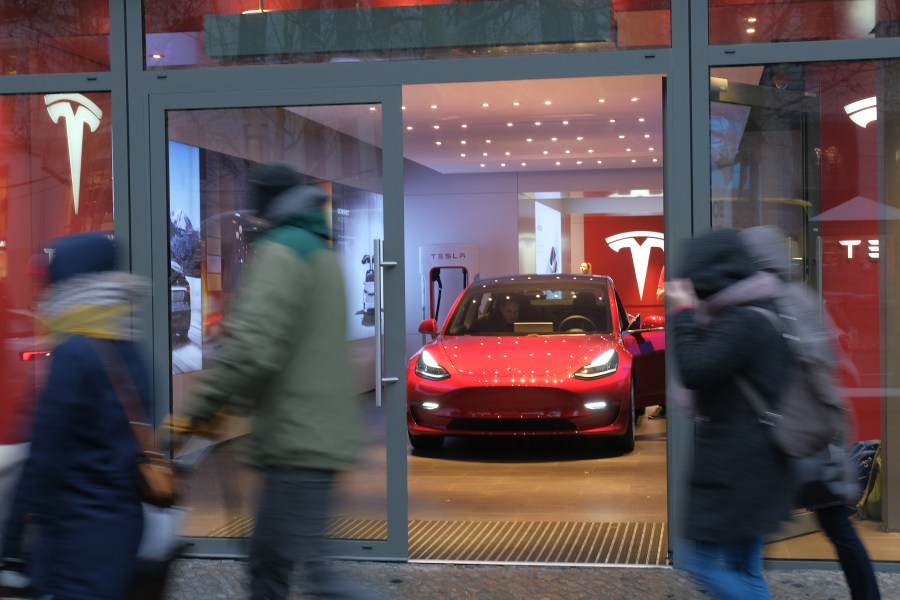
{"x": 380, "y": 379}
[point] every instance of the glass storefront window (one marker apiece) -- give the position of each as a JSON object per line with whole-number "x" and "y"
{"x": 64, "y": 36}
{"x": 797, "y": 146}
{"x": 763, "y": 21}
{"x": 240, "y": 32}
{"x": 55, "y": 180}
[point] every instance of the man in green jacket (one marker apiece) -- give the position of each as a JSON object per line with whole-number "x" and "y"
{"x": 284, "y": 363}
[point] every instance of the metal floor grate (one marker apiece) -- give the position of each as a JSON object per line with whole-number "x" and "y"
{"x": 545, "y": 542}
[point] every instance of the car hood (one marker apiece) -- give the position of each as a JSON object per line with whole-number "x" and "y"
{"x": 529, "y": 357}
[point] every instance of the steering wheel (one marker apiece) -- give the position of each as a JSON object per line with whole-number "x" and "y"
{"x": 577, "y": 319}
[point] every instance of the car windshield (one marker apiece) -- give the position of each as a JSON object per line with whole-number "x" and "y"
{"x": 533, "y": 306}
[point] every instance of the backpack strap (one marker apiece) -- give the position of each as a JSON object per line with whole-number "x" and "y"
{"x": 765, "y": 416}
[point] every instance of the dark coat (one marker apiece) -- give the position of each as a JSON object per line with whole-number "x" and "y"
{"x": 80, "y": 483}
{"x": 739, "y": 482}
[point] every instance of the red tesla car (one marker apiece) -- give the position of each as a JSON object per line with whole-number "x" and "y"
{"x": 535, "y": 355}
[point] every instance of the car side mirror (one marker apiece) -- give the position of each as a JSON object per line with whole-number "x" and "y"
{"x": 429, "y": 326}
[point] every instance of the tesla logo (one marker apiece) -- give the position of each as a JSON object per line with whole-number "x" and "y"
{"x": 77, "y": 111}
{"x": 873, "y": 247}
{"x": 640, "y": 253}
{"x": 447, "y": 255}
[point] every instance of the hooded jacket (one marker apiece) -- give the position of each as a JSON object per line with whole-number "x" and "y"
{"x": 739, "y": 481}
{"x": 283, "y": 360}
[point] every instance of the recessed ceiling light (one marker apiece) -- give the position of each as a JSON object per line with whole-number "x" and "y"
{"x": 634, "y": 160}
{"x": 627, "y": 149}
{"x": 647, "y": 135}
{"x": 507, "y": 153}
{"x": 577, "y": 162}
{"x": 463, "y": 125}
{"x": 548, "y": 102}
{"x": 635, "y": 99}
{"x": 568, "y": 152}
{"x": 482, "y": 165}
{"x": 751, "y": 19}
{"x": 529, "y": 140}
{"x": 486, "y": 105}
{"x": 156, "y": 55}
{"x": 463, "y": 142}
{"x": 546, "y": 152}
{"x": 402, "y": 108}
{"x": 558, "y": 163}
{"x": 612, "y": 120}
{"x": 599, "y": 162}
{"x": 484, "y": 153}
{"x": 515, "y": 103}
{"x": 463, "y": 154}
{"x": 590, "y": 150}
{"x": 654, "y": 160}
{"x": 371, "y": 108}
{"x": 433, "y": 106}
{"x": 580, "y": 137}
{"x": 621, "y": 137}
{"x": 641, "y": 120}
{"x": 751, "y": 30}
{"x": 523, "y": 164}
{"x": 565, "y": 122}
{"x": 502, "y": 164}
{"x": 650, "y": 149}
{"x": 487, "y": 141}
{"x": 553, "y": 139}
{"x": 437, "y": 126}
{"x": 409, "y": 127}
{"x": 538, "y": 123}
{"x": 601, "y": 100}
{"x": 437, "y": 143}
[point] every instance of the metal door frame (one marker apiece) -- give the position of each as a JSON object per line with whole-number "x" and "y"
{"x": 395, "y": 547}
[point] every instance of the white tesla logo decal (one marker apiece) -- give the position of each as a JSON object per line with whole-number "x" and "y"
{"x": 60, "y": 106}
{"x": 640, "y": 253}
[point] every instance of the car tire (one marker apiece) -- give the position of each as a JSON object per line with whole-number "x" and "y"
{"x": 426, "y": 443}
{"x": 626, "y": 442}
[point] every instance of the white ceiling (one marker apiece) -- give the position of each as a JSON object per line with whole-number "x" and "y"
{"x": 614, "y": 120}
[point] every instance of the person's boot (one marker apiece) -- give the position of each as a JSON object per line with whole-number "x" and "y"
{"x": 14, "y": 583}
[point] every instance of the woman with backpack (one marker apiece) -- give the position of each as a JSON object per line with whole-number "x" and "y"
{"x": 739, "y": 482}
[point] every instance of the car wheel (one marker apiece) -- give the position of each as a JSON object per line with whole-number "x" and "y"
{"x": 426, "y": 443}
{"x": 626, "y": 442}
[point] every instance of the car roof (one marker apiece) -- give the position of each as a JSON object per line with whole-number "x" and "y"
{"x": 542, "y": 278}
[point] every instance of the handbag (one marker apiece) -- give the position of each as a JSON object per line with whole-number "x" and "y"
{"x": 159, "y": 485}
{"x": 825, "y": 478}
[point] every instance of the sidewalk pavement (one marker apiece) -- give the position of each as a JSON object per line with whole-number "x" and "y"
{"x": 196, "y": 579}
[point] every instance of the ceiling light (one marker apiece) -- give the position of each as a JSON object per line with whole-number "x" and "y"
{"x": 409, "y": 127}
{"x": 484, "y": 153}
{"x": 635, "y": 99}
{"x": 538, "y": 123}
{"x": 515, "y": 103}
{"x": 371, "y": 108}
{"x": 482, "y": 165}
{"x": 486, "y": 105}
{"x": 751, "y": 30}
{"x": 462, "y": 155}
{"x": 255, "y": 11}
{"x": 751, "y": 19}
{"x": 463, "y": 125}
{"x": 546, "y": 152}
{"x": 557, "y": 163}
{"x": 621, "y": 137}
{"x": 862, "y": 112}
{"x": 580, "y": 137}
{"x": 627, "y": 149}
{"x": 523, "y": 164}
{"x": 437, "y": 143}
{"x": 502, "y": 164}
{"x": 553, "y": 139}
{"x": 507, "y": 153}
{"x": 433, "y": 106}
{"x": 641, "y": 120}
{"x": 509, "y": 124}
{"x": 463, "y": 142}
{"x": 402, "y": 108}
{"x": 612, "y": 120}
{"x": 654, "y": 160}
{"x": 529, "y": 140}
{"x": 650, "y": 149}
{"x": 599, "y": 162}
{"x": 647, "y": 135}
{"x": 565, "y": 122}
{"x": 548, "y": 102}
{"x": 156, "y": 55}
{"x": 568, "y": 152}
{"x": 437, "y": 126}
{"x": 590, "y": 150}
{"x": 634, "y": 160}
{"x": 601, "y": 100}
{"x": 487, "y": 141}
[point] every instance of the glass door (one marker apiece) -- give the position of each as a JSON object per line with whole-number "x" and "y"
{"x": 337, "y": 146}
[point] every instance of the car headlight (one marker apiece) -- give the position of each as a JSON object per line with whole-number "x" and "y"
{"x": 603, "y": 365}
{"x": 429, "y": 368}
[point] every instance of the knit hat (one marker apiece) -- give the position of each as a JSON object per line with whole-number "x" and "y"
{"x": 81, "y": 254}
{"x": 267, "y": 181}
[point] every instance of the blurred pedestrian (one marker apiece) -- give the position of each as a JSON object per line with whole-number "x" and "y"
{"x": 739, "y": 483}
{"x": 80, "y": 487}
{"x": 284, "y": 362}
{"x": 769, "y": 249}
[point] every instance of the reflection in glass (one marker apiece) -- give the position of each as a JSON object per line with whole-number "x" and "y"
{"x": 182, "y": 34}
{"x": 788, "y": 149}
{"x": 212, "y": 231}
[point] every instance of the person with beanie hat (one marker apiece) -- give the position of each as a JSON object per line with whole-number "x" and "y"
{"x": 739, "y": 482}
{"x": 283, "y": 361}
{"x": 80, "y": 485}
